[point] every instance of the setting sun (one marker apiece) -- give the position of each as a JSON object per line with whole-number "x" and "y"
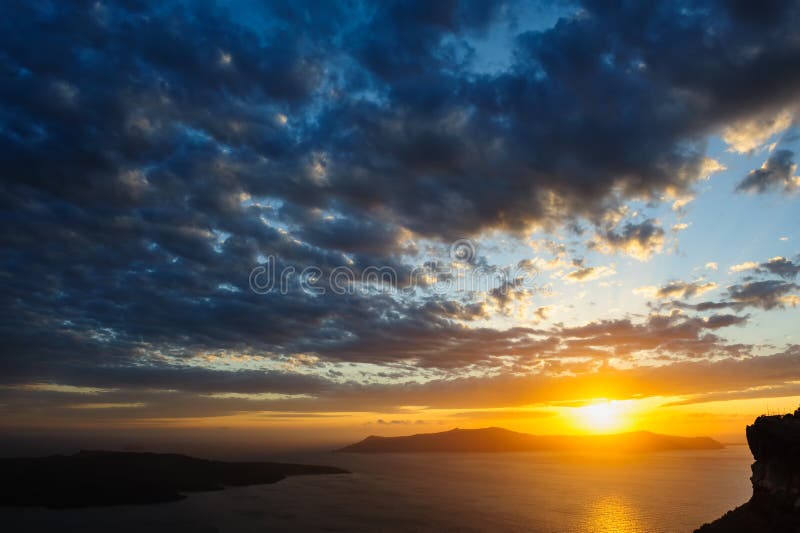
{"x": 602, "y": 416}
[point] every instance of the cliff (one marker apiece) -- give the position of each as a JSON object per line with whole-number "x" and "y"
{"x": 775, "y": 504}
{"x": 503, "y": 440}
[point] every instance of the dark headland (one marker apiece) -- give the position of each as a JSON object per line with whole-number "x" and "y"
{"x": 503, "y": 440}
{"x": 91, "y": 478}
{"x": 774, "y": 506}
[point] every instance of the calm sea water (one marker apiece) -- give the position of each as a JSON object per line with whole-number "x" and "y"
{"x": 547, "y": 492}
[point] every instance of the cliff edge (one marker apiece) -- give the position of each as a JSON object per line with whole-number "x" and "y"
{"x": 775, "y": 504}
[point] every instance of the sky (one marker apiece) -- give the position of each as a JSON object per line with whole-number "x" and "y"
{"x": 288, "y": 223}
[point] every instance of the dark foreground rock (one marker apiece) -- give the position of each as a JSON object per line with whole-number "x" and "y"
{"x": 93, "y": 478}
{"x": 503, "y": 440}
{"x": 775, "y": 504}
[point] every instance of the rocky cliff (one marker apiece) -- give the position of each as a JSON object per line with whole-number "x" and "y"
{"x": 775, "y": 504}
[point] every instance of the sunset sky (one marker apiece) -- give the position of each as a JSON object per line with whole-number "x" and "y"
{"x": 623, "y": 181}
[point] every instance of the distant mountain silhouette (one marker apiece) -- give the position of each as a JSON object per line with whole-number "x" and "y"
{"x": 114, "y": 478}
{"x": 503, "y": 440}
{"x": 774, "y": 506}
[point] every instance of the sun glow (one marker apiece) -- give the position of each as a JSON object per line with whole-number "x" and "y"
{"x": 602, "y": 416}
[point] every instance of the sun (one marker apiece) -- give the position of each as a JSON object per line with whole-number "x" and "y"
{"x": 601, "y": 416}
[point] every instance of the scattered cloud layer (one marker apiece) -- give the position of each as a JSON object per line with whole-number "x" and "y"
{"x": 153, "y": 154}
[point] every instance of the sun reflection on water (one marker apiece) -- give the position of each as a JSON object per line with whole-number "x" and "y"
{"x": 612, "y": 514}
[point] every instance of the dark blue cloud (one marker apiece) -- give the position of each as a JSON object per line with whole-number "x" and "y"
{"x": 153, "y": 151}
{"x": 776, "y": 173}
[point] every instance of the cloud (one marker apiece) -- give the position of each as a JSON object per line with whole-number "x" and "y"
{"x": 741, "y": 267}
{"x": 764, "y": 294}
{"x": 680, "y": 203}
{"x": 753, "y": 292}
{"x": 712, "y": 266}
{"x": 780, "y": 390}
{"x": 639, "y": 240}
{"x": 106, "y": 405}
{"x": 585, "y": 274}
{"x": 677, "y": 289}
{"x": 557, "y": 250}
{"x": 510, "y": 296}
{"x": 750, "y": 134}
{"x": 542, "y": 313}
{"x": 399, "y": 422}
{"x": 710, "y": 166}
{"x": 777, "y": 172}
{"x": 723, "y": 321}
{"x": 780, "y": 266}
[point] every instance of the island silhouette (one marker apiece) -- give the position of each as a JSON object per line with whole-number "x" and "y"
{"x": 98, "y": 478}
{"x": 494, "y": 439}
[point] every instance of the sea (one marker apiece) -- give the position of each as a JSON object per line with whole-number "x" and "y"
{"x": 672, "y": 492}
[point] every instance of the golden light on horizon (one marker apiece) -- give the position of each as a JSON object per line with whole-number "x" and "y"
{"x": 602, "y": 416}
